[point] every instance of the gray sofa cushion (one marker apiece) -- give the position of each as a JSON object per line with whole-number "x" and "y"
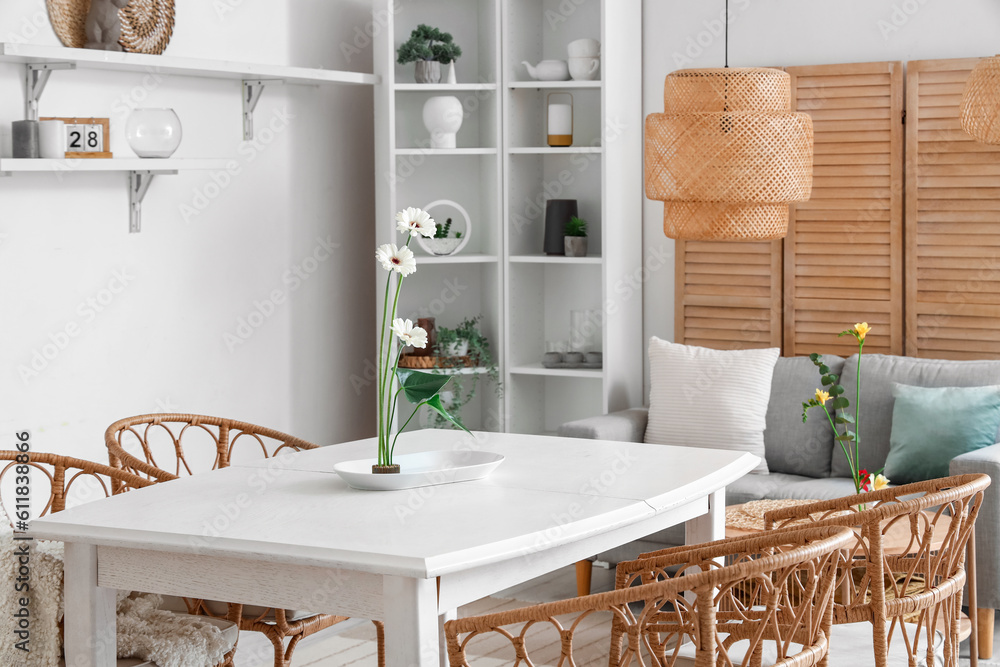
{"x": 878, "y": 372}
{"x": 793, "y": 447}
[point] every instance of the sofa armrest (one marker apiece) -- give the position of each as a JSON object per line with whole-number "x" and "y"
{"x": 625, "y": 426}
{"x": 986, "y": 461}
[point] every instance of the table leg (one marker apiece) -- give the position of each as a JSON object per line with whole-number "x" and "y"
{"x": 90, "y": 621}
{"x": 710, "y": 526}
{"x": 411, "y": 622}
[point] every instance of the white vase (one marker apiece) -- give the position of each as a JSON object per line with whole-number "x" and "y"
{"x": 443, "y": 118}
{"x": 154, "y": 133}
{"x": 452, "y": 77}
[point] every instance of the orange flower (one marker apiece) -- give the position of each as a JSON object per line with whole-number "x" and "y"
{"x": 822, "y": 396}
{"x": 861, "y": 330}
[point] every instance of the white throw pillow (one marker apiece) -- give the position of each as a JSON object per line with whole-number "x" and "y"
{"x": 709, "y": 398}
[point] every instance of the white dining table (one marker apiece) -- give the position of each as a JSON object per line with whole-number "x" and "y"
{"x": 288, "y": 532}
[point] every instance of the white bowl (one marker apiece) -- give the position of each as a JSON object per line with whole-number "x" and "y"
{"x": 154, "y": 133}
{"x": 584, "y": 48}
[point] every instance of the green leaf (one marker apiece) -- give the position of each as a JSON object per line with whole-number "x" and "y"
{"x": 419, "y": 387}
{"x": 840, "y": 403}
{"x": 837, "y": 390}
{"x": 845, "y": 418}
{"x": 827, "y": 380}
{"x": 824, "y": 369}
{"x": 814, "y": 358}
{"x": 847, "y": 437}
{"x": 435, "y": 402}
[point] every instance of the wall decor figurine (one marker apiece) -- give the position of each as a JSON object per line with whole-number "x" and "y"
{"x": 104, "y": 28}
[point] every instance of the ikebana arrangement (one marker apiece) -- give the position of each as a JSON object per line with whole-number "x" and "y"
{"x": 849, "y": 440}
{"x": 429, "y": 48}
{"x": 395, "y": 334}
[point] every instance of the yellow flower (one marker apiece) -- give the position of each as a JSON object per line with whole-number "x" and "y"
{"x": 822, "y": 396}
{"x": 881, "y": 481}
{"x": 861, "y": 330}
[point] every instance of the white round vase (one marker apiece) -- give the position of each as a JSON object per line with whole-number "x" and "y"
{"x": 443, "y": 118}
{"x": 154, "y": 133}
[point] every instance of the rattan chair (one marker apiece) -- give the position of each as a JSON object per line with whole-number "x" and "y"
{"x": 61, "y": 473}
{"x": 158, "y": 442}
{"x": 907, "y": 562}
{"x": 767, "y": 595}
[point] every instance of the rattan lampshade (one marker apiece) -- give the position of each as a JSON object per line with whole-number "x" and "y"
{"x": 727, "y": 155}
{"x": 980, "y": 110}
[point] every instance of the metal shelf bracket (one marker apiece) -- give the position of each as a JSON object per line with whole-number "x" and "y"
{"x": 35, "y": 77}
{"x": 252, "y": 90}
{"x": 138, "y": 185}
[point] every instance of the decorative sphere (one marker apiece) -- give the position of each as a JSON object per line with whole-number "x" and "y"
{"x": 154, "y": 133}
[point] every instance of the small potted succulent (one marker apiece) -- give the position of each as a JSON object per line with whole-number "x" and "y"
{"x": 575, "y": 237}
{"x": 428, "y": 47}
{"x": 444, "y": 242}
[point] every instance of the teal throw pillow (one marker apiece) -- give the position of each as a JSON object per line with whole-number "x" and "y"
{"x": 933, "y": 425}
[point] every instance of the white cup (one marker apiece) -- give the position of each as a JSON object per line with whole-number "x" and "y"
{"x": 584, "y": 69}
{"x": 585, "y": 48}
{"x": 52, "y": 139}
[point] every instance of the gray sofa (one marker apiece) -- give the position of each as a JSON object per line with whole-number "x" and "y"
{"x": 802, "y": 460}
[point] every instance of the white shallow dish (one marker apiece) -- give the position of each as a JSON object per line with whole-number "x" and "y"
{"x": 421, "y": 469}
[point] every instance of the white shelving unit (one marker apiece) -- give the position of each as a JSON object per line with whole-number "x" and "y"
{"x": 409, "y": 173}
{"x": 503, "y": 172}
{"x": 41, "y": 61}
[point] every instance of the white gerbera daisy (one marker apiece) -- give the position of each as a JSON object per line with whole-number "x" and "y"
{"x": 409, "y": 334}
{"x": 414, "y": 222}
{"x": 396, "y": 259}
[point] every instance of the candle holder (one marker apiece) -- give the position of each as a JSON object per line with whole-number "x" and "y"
{"x": 559, "y": 122}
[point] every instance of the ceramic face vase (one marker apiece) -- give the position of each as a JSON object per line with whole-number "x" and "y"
{"x": 443, "y": 116}
{"x": 153, "y": 133}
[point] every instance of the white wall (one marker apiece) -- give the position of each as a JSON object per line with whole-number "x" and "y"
{"x": 213, "y": 249}
{"x": 682, "y": 34}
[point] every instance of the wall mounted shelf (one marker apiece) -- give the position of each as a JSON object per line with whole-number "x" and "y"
{"x": 538, "y": 369}
{"x": 40, "y": 61}
{"x": 549, "y": 150}
{"x": 457, "y": 259}
{"x": 141, "y": 173}
{"x": 446, "y": 151}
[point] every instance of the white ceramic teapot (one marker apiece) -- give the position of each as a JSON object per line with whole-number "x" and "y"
{"x": 548, "y": 70}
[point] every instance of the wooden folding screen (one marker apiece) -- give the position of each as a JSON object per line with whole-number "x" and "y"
{"x": 952, "y": 216}
{"x": 844, "y": 251}
{"x": 728, "y": 295}
{"x": 842, "y": 260}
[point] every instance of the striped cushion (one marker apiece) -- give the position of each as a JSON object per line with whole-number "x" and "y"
{"x": 709, "y": 398}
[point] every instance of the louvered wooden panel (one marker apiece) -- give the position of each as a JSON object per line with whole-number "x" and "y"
{"x": 843, "y": 256}
{"x": 728, "y": 295}
{"x": 952, "y": 221}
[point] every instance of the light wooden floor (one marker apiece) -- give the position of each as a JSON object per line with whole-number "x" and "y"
{"x": 353, "y": 642}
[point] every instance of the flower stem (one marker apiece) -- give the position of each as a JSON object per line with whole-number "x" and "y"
{"x": 383, "y": 439}
{"x": 407, "y": 423}
{"x": 847, "y": 452}
{"x": 857, "y": 413}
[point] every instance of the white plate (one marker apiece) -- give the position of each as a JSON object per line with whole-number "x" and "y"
{"x": 421, "y": 469}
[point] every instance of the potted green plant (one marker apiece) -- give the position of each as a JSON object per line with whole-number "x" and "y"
{"x": 455, "y": 348}
{"x": 575, "y": 237}
{"x": 428, "y": 47}
{"x": 444, "y": 242}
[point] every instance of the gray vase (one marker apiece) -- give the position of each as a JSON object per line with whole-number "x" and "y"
{"x": 427, "y": 71}
{"x": 576, "y": 246}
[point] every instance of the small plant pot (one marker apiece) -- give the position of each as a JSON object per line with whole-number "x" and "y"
{"x": 573, "y": 358}
{"x": 427, "y": 71}
{"x": 442, "y": 246}
{"x": 386, "y": 470}
{"x": 575, "y": 246}
{"x": 458, "y": 349}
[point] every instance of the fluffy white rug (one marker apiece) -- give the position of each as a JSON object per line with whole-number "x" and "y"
{"x": 165, "y": 638}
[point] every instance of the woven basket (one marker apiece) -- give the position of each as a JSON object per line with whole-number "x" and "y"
{"x": 415, "y": 362}
{"x": 69, "y": 20}
{"x": 147, "y": 25}
{"x": 980, "y": 110}
{"x": 728, "y": 155}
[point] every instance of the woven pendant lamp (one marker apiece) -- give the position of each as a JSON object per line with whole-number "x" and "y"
{"x": 727, "y": 156}
{"x": 980, "y": 110}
